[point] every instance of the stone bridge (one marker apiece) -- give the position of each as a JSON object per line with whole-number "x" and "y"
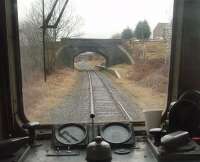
{"x": 66, "y": 50}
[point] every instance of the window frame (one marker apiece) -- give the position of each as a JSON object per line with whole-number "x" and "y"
{"x": 20, "y": 116}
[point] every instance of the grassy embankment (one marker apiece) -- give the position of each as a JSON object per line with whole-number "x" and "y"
{"x": 40, "y": 97}
{"x": 147, "y": 80}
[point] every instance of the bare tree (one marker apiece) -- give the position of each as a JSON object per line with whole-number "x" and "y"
{"x": 68, "y": 26}
{"x": 31, "y": 33}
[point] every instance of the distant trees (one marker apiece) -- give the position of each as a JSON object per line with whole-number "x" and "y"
{"x": 127, "y": 33}
{"x": 142, "y": 30}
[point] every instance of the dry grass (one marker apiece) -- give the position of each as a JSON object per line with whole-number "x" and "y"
{"x": 153, "y": 50}
{"x": 40, "y": 97}
{"x": 147, "y": 97}
{"x": 147, "y": 79}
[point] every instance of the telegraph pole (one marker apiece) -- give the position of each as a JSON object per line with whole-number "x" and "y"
{"x": 46, "y": 25}
{"x": 43, "y": 41}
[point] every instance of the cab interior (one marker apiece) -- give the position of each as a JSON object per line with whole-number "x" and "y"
{"x": 177, "y": 139}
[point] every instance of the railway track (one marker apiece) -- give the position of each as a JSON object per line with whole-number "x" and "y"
{"x": 103, "y": 105}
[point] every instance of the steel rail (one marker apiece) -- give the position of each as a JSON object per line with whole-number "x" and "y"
{"x": 117, "y": 103}
{"x": 92, "y": 113}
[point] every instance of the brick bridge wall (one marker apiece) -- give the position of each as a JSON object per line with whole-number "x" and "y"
{"x": 64, "y": 52}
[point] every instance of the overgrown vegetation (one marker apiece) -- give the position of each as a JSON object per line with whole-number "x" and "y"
{"x": 147, "y": 79}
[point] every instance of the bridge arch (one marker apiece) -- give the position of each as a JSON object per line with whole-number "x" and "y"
{"x": 89, "y": 60}
{"x": 96, "y": 52}
{"x": 108, "y": 48}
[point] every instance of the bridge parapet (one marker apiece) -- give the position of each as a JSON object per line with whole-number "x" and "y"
{"x": 84, "y": 42}
{"x": 66, "y": 50}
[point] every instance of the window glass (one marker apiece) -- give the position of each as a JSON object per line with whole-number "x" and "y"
{"x": 101, "y": 55}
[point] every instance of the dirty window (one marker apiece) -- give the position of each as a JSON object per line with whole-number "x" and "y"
{"x": 105, "y": 57}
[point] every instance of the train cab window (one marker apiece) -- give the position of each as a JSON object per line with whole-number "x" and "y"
{"x": 123, "y": 46}
{"x": 99, "y": 80}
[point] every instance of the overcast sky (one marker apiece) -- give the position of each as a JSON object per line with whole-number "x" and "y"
{"x": 103, "y": 18}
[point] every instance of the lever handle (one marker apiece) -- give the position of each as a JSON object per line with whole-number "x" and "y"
{"x": 157, "y": 133}
{"x": 31, "y": 126}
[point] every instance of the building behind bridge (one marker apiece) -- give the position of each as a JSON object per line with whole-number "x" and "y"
{"x": 162, "y": 31}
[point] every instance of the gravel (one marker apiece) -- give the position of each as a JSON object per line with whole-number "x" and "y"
{"x": 76, "y": 107}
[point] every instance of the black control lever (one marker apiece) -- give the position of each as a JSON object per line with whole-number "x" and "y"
{"x": 31, "y": 130}
{"x": 157, "y": 133}
{"x": 174, "y": 140}
{"x": 92, "y": 116}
